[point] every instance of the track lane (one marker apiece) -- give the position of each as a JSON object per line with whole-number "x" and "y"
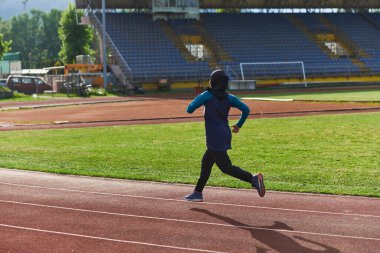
{"x": 168, "y": 232}
{"x": 213, "y": 195}
{"x": 154, "y": 111}
{"x": 363, "y": 228}
{"x": 37, "y": 240}
{"x": 242, "y": 227}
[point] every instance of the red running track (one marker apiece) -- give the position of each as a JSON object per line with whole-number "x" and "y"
{"x": 53, "y": 213}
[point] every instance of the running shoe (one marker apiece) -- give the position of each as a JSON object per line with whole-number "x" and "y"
{"x": 194, "y": 197}
{"x": 258, "y": 183}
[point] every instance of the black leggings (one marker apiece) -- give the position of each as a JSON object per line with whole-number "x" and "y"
{"x": 223, "y": 161}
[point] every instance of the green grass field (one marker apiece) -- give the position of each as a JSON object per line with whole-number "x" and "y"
{"x": 336, "y": 154}
{"x": 337, "y": 95}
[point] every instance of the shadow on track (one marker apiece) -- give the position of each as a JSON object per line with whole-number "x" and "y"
{"x": 273, "y": 239}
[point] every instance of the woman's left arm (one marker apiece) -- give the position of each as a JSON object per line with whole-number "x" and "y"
{"x": 236, "y": 102}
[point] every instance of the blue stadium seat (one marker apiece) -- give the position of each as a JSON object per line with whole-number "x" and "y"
{"x": 247, "y": 37}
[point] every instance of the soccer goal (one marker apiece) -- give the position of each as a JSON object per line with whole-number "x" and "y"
{"x": 273, "y": 70}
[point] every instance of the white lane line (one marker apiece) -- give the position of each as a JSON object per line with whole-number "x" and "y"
{"x": 107, "y": 239}
{"x": 269, "y": 99}
{"x": 191, "y": 221}
{"x": 201, "y": 203}
{"x": 17, "y": 173}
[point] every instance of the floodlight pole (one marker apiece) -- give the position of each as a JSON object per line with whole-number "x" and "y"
{"x": 104, "y": 44}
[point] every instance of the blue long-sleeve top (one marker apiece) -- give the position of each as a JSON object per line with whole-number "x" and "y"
{"x": 218, "y": 132}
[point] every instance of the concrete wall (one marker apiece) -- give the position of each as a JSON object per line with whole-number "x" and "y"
{"x": 6, "y": 67}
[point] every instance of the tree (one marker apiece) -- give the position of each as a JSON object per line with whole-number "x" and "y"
{"x": 50, "y": 37}
{"x": 5, "y": 28}
{"x": 35, "y": 36}
{"x": 76, "y": 39}
{"x": 4, "y": 35}
{"x": 5, "y": 46}
{"x": 25, "y": 34}
{"x": 37, "y": 52}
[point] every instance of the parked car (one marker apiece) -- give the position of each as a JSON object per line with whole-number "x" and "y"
{"x": 27, "y": 84}
{"x": 3, "y": 82}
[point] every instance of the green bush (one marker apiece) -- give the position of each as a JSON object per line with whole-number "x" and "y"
{"x": 97, "y": 92}
{"x": 5, "y": 92}
{"x": 4, "y": 89}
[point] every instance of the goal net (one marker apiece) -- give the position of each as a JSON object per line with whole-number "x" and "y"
{"x": 273, "y": 70}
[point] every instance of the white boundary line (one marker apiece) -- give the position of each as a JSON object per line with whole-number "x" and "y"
{"x": 191, "y": 221}
{"x": 107, "y": 239}
{"x": 202, "y": 203}
{"x": 269, "y": 99}
{"x": 108, "y": 179}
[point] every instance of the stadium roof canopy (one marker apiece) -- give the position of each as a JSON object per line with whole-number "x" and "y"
{"x": 260, "y": 4}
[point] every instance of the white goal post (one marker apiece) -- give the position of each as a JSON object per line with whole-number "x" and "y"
{"x": 273, "y": 67}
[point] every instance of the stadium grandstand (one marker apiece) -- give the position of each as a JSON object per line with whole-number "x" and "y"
{"x": 266, "y": 42}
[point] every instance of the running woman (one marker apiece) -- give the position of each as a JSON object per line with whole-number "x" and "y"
{"x": 217, "y": 103}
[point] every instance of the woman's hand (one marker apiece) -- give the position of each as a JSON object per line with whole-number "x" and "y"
{"x": 235, "y": 129}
